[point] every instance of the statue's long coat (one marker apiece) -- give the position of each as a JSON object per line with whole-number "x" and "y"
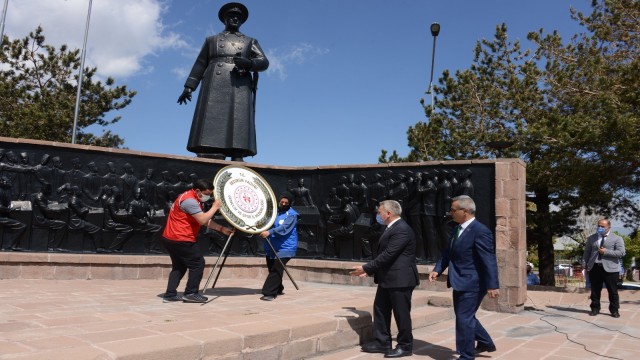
{"x": 224, "y": 118}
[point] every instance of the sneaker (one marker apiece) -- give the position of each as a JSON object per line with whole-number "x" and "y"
{"x": 174, "y": 298}
{"x": 194, "y": 298}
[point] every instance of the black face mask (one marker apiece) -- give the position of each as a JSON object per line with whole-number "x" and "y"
{"x": 284, "y": 208}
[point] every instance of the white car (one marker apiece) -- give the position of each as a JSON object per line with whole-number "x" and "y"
{"x": 629, "y": 286}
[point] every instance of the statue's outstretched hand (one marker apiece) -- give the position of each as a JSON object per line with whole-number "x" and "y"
{"x": 242, "y": 63}
{"x": 185, "y": 96}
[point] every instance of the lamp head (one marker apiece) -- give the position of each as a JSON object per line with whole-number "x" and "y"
{"x": 435, "y": 29}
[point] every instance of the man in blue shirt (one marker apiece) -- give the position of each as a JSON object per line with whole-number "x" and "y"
{"x": 284, "y": 238}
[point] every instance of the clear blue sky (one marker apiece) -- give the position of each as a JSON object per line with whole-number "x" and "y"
{"x": 346, "y": 76}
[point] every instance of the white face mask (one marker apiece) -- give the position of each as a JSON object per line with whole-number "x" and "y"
{"x": 204, "y": 198}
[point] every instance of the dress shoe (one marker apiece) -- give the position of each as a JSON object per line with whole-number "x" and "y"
{"x": 268, "y": 298}
{"x": 375, "y": 348}
{"x": 398, "y": 352}
{"x": 615, "y": 314}
{"x": 484, "y": 348}
{"x": 594, "y": 312}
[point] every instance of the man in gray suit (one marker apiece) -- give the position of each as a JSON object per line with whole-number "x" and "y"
{"x": 601, "y": 257}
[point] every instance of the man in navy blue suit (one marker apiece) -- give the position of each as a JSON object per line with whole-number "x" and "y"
{"x": 473, "y": 273}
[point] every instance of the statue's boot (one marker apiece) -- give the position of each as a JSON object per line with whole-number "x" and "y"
{"x": 215, "y": 156}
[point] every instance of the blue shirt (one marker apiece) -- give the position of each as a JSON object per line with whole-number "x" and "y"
{"x": 283, "y": 235}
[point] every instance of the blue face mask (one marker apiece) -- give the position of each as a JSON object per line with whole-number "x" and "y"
{"x": 601, "y": 230}
{"x": 379, "y": 219}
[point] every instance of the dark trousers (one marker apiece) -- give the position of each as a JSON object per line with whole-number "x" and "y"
{"x": 56, "y": 231}
{"x": 397, "y": 300}
{"x": 468, "y": 328}
{"x": 597, "y": 276}
{"x": 149, "y": 230}
{"x": 87, "y": 228}
{"x": 16, "y": 228}
{"x": 123, "y": 233}
{"x": 273, "y": 284}
{"x": 184, "y": 255}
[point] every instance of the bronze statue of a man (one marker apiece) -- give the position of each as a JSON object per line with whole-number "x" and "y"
{"x": 228, "y": 65}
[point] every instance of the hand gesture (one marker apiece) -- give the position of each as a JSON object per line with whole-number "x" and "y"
{"x": 185, "y": 96}
{"x": 242, "y": 63}
{"x": 216, "y": 205}
{"x": 358, "y": 271}
{"x": 226, "y": 230}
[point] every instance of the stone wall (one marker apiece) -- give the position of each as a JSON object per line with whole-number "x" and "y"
{"x": 499, "y": 186}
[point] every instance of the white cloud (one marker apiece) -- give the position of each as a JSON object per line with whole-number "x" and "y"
{"x": 280, "y": 59}
{"x": 121, "y": 34}
{"x": 180, "y": 72}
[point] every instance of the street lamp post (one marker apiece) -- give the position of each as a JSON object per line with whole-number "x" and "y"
{"x": 435, "y": 30}
{"x": 80, "y": 74}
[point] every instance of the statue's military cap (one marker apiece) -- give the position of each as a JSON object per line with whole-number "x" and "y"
{"x": 235, "y": 7}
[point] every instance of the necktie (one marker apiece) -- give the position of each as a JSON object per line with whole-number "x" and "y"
{"x": 601, "y": 245}
{"x": 458, "y": 231}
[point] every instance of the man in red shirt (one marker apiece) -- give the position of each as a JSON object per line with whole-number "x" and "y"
{"x": 183, "y": 224}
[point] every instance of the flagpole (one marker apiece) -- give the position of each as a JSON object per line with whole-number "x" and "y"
{"x": 80, "y": 74}
{"x": 4, "y": 16}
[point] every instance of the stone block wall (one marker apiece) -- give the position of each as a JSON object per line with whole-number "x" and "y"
{"x": 499, "y": 193}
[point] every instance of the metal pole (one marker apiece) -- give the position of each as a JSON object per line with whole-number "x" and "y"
{"x": 80, "y": 74}
{"x": 433, "y": 58}
{"x": 281, "y": 263}
{"x": 435, "y": 30}
{"x": 4, "y": 16}
{"x": 217, "y": 261}
{"x": 224, "y": 260}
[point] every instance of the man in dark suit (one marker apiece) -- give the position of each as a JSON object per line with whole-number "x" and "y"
{"x": 395, "y": 271}
{"x": 473, "y": 272}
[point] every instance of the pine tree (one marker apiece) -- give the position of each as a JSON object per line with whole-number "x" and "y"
{"x": 38, "y": 89}
{"x": 570, "y": 111}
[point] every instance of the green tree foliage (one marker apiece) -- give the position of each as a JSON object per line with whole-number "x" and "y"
{"x": 632, "y": 249}
{"x": 569, "y": 110}
{"x": 38, "y": 89}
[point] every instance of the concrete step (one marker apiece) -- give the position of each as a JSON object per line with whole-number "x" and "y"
{"x": 126, "y": 319}
{"x": 427, "y": 309}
